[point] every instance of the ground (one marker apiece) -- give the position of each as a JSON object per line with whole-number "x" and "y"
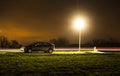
{"x": 37, "y": 64}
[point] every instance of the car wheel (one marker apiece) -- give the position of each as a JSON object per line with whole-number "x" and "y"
{"x": 50, "y": 50}
{"x": 28, "y": 51}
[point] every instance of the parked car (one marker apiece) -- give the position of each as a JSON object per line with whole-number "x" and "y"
{"x": 39, "y": 46}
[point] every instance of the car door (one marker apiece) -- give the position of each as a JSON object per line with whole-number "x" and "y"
{"x": 37, "y": 47}
{"x": 45, "y": 46}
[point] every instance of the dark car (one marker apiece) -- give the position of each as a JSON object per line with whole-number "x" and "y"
{"x": 39, "y": 46}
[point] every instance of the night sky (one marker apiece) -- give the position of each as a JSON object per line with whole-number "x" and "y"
{"x": 41, "y": 20}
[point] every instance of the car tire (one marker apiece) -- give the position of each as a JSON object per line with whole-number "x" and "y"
{"x": 28, "y": 51}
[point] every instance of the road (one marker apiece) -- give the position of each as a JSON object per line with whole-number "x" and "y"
{"x": 10, "y": 50}
{"x": 67, "y": 49}
{"x": 100, "y": 49}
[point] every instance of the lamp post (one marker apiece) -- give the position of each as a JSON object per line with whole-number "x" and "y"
{"x": 79, "y": 39}
{"x": 79, "y": 24}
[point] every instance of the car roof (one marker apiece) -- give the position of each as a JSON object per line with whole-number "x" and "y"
{"x": 40, "y": 42}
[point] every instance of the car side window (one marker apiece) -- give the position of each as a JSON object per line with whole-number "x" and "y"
{"x": 38, "y": 44}
{"x": 45, "y": 43}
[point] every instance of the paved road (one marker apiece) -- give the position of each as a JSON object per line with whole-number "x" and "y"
{"x": 65, "y": 49}
{"x": 10, "y": 50}
{"x": 100, "y": 49}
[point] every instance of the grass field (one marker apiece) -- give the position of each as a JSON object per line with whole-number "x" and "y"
{"x": 37, "y": 64}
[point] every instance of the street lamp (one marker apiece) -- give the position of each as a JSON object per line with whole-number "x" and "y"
{"x": 79, "y": 25}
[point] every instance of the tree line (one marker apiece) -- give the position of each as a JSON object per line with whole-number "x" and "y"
{"x": 62, "y": 42}
{"x": 103, "y": 43}
{"x": 5, "y": 43}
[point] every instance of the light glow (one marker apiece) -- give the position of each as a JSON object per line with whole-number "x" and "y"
{"x": 79, "y": 23}
{"x": 77, "y": 52}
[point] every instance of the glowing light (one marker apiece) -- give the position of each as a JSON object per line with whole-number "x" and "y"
{"x": 79, "y": 23}
{"x": 77, "y": 52}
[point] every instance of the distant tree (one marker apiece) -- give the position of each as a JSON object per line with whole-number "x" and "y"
{"x": 4, "y": 43}
{"x": 14, "y": 44}
{"x": 104, "y": 43}
{"x": 53, "y": 41}
{"x": 113, "y": 42}
{"x": 60, "y": 42}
